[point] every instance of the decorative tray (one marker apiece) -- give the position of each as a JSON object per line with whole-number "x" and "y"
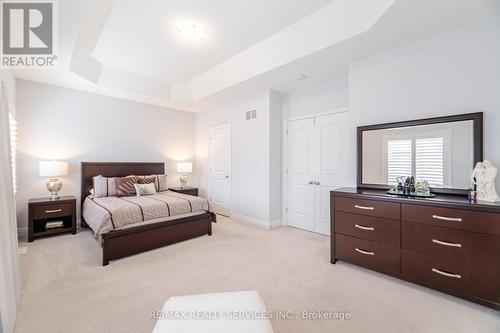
{"x": 411, "y": 195}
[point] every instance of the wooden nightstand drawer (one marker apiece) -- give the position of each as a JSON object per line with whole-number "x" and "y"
{"x": 369, "y": 254}
{"x": 376, "y": 208}
{"x": 377, "y": 229}
{"x": 55, "y": 210}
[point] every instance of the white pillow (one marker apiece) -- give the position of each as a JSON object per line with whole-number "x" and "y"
{"x": 145, "y": 189}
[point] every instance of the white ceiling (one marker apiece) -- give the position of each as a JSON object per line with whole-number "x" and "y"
{"x": 143, "y": 35}
{"x": 130, "y": 49}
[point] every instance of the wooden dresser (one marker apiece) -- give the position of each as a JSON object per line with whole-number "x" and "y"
{"x": 444, "y": 243}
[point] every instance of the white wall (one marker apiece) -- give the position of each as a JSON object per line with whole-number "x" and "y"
{"x": 449, "y": 73}
{"x": 9, "y": 266}
{"x": 320, "y": 98}
{"x": 65, "y": 124}
{"x": 253, "y": 156}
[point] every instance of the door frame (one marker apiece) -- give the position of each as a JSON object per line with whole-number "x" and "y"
{"x": 284, "y": 171}
{"x": 210, "y": 162}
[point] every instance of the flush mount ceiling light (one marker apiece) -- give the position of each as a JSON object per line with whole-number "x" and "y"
{"x": 190, "y": 31}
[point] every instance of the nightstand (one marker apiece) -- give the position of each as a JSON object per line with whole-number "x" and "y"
{"x": 185, "y": 190}
{"x": 50, "y": 217}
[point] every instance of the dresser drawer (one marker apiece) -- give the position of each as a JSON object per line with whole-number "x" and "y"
{"x": 367, "y": 253}
{"x": 55, "y": 210}
{"x": 377, "y": 229}
{"x": 476, "y": 280}
{"x": 488, "y": 223}
{"x": 376, "y": 208}
{"x": 455, "y": 245}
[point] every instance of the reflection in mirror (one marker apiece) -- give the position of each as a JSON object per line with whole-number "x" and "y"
{"x": 442, "y": 154}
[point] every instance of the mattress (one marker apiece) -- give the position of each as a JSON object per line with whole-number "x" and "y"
{"x": 111, "y": 213}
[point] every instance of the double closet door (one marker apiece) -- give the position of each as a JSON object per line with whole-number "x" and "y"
{"x": 316, "y": 164}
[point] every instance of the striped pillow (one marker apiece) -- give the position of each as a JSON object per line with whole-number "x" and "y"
{"x": 160, "y": 182}
{"x": 125, "y": 186}
{"x": 145, "y": 189}
{"x": 104, "y": 186}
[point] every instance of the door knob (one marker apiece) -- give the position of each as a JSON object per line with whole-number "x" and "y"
{"x": 317, "y": 183}
{"x": 226, "y": 176}
{"x": 311, "y": 182}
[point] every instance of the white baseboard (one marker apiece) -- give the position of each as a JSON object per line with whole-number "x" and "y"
{"x": 22, "y": 232}
{"x": 257, "y": 222}
{"x": 276, "y": 223}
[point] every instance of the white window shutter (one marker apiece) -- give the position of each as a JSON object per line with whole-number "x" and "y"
{"x": 429, "y": 157}
{"x": 399, "y": 159}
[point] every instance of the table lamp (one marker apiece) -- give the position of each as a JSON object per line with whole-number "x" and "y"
{"x": 183, "y": 168}
{"x": 53, "y": 169}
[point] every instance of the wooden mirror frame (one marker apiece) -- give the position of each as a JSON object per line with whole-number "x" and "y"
{"x": 477, "y": 120}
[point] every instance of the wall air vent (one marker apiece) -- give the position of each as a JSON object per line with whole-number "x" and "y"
{"x": 249, "y": 115}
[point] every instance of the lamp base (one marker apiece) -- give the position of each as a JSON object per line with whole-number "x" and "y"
{"x": 184, "y": 180}
{"x": 54, "y": 186}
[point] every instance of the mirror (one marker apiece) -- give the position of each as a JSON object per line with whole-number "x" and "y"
{"x": 441, "y": 151}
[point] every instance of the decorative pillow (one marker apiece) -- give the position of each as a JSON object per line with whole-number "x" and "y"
{"x": 148, "y": 180}
{"x": 145, "y": 189}
{"x": 160, "y": 182}
{"x": 125, "y": 186}
{"x": 104, "y": 186}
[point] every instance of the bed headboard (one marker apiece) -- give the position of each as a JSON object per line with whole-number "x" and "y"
{"x": 117, "y": 169}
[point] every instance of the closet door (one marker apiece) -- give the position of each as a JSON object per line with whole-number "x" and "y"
{"x": 330, "y": 167}
{"x": 300, "y": 166}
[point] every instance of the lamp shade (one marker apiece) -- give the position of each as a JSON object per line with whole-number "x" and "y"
{"x": 53, "y": 168}
{"x": 184, "y": 167}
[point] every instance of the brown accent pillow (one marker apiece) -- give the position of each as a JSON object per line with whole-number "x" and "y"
{"x": 147, "y": 180}
{"x": 125, "y": 186}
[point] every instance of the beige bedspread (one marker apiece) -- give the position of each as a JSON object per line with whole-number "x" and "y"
{"x": 109, "y": 213}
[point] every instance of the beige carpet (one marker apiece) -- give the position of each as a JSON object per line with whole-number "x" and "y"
{"x": 64, "y": 288}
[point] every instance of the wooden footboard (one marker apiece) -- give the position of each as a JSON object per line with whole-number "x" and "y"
{"x": 121, "y": 243}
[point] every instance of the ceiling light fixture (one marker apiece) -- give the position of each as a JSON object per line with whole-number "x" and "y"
{"x": 190, "y": 31}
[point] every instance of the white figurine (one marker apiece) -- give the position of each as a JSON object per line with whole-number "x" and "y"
{"x": 485, "y": 174}
{"x": 490, "y": 173}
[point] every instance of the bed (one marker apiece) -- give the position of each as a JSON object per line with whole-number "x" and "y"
{"x": 131, "y": 225}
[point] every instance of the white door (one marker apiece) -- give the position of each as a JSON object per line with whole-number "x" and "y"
{"x": 317, "y": 164}
{"x": 331, "y": 164}
{"x": 300, "y": 208}
{"x": 220, "y": 169}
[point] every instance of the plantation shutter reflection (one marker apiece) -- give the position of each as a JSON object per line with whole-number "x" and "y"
{"x": 399, "y": 159}
{"x": 429, "y": 157}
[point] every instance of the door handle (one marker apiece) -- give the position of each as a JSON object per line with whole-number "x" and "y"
{"x": 226, "y": 176}
{"x": 311, "y": 182}
{"x": 316, "y": 183}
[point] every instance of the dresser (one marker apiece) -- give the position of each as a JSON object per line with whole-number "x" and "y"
{"x": 444, "y": 243}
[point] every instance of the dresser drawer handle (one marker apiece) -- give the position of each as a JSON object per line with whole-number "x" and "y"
{"x": 365, "y": 252}
{"x": 456, "y": 276}
{"x": 362, "y": 227}
{"x": 446, "y": 243}
{"x": 444, "y": 218}
{"x": 53, "y": 211}
{"x": 363, "y": 207}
